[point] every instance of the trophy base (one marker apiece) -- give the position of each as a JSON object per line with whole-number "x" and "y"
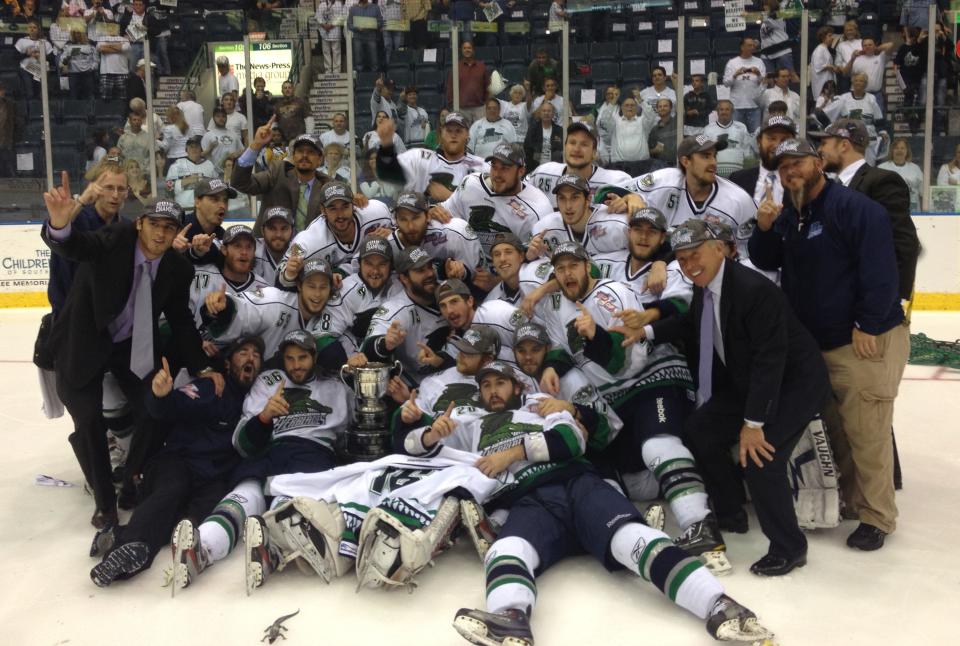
{"x": 365, "y": 444}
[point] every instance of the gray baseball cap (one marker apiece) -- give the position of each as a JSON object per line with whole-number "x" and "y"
{"x": 411, "y": 201}
{"x": 371, "y": 246}
{"x": 213, "y": 186}
{"x": 301, "y": 339}
{"x": 690, "y": 234}
{"x": 412, "y": 258}
{"x": 456, "y": 119}
{"x": 242, "y": 341}
{"x": 162, "y": 208}
{"x": 499, "y": 368}
{"x": 573, "y": 181}
{"x": 507, "y": 237}
{"x": 699, "y": 144}
{"x": 724, "y": 231}
{"x": 569, "y": 248}
{"x": 281, "y": 212}
{"x": 793, "y": 148}
{"x": 451, "y": 287}
{"x": 531, "y": 332}
{"x": 237, "y": 231}
{"x": 336, "y": 192}
{"x": 582, "y": 126}
{"x": 853, "y": 130}
{"x": 479, "y": 339}
{"x": 308, "y": 140}
{"x": 778, "y": 121}
{"x": 651, "y": 215}
{"x": 508, "y": 154}
{"x": 316, "y": 266}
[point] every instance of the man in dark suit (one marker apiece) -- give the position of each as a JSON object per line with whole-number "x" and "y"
{"x": 109, "y": 323}
{"x": 761, "y": 384}
{"x": 757, "y": 179}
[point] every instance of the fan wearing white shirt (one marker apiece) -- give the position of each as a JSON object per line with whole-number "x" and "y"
{"x": 744, "y": 74}
{"x": 516, "y": 111}
{"x": 949, "y": 174}
{"x": 487, "y": 133}
{"x": 236, "y": 122}
{"x": 846, "y": 46}
{"x": 339, "y": 134}
{"x": 550, "y": 95}
{"x": 901, "y": 163}
{"x": 659, "y": 89}
{"x": 781, "y": 92}
{"x": 872, "y": 61}
{"x": 822, "y": 68}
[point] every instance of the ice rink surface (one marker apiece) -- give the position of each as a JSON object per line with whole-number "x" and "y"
{"x": 908, "y": 593}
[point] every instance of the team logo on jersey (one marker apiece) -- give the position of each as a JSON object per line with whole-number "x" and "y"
{"x": 647, "y": 180}
{"x": 543, "y": 269}
{"x": 518, "y": 318}
{"x": 460, "y": 394}
{"x": 746, "y": 229}
{"x": 303, "y": 410}
{"x": 606, "y": 301}
{"x": 596, "y": 231}
{"x": 257, "y": 291}
{"x": 498, "y": 431}
{"x": 481, "y": 219}
{"x": 296, "y": 249}
{"x": 380, "y": 312}
{"x": 435, "y": 238}
{"x": 584, "y": 396}
{"x": 518, "y": 209}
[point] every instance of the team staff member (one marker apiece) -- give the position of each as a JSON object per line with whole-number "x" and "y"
{"x": 759, "y": 383}
{"x": 839, "y": 272}
{"x": 757, "y": 179}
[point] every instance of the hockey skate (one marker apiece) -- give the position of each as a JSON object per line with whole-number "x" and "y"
{"x": 508, "y": 628}
{"x": 120, "y": 563}
{"x": 260, "y": 559}
{"x": 703, "y": 539}
{"x": 481, "y": 528}
{"x": 731, "y": 622}
{"x": 189, "y": 557}
{"x": 655, "y": 517}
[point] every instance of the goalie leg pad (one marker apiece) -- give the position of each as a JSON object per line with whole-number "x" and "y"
{"x": 303, "y": 528}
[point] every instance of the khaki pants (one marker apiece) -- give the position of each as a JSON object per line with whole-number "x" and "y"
{"x": 859, "y": 417}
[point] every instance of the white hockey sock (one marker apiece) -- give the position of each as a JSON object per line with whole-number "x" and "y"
{"x": 510, "y": 564}
{"x": 220, "y": 530}
{"x": 682, "y": 578}
{"x": 673, "y": 465}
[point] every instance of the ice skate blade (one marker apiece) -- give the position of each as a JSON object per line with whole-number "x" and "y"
{"x": 471, "y": 519}
{"x": 654, "y": 517}
{"x": 475, "y": 632}
{"x": 717, "y": 562}
{"x": 747, "y": 631}
{"x": 252, "y": 540}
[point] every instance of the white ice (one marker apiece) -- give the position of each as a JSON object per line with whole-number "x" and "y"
{"x": 907, "y": 593}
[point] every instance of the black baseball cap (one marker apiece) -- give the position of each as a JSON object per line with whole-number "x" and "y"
{"x": 499, "y": 368}
{"x": 242, "y": 341}
{"x": 451, "y": 287}
{"x": 531, "y": 332}
{"x": 336, "y": 192}
{"x": 508, "y": 154}
{"x": 371, "y": 246}
{"x": 411, "y": 201}
{"x": 690, "y": 234}
{"x": 573, "y": 181}
{"x": 301, "y": 339}
{"x": 569, "y": 248}
{"x": 316, "y": 266}
{"x": 281, "y": 212}
{"x": 699, "y": 144}
{"x": 479, "y": 339}
{"x": 853, "y": 130}
{"x": 778, "y": 121}
{"x": 413, "y": 258}
{"x": 456, "y": 119}
{"x": 307, "y": 140}
{"x": 213, "y": 186}
{"x": 507, "y": 237}
{"x": 793, "y": 148}
{"x": 162, "y": 208}
{"x": 236, "y": 231}
{"x": 651, "y": 215}
{"x": 582, "y": 126}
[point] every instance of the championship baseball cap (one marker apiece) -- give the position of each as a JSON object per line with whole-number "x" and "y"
{"x": 413, "y": 258}
{"x": 479, "y": 339}
{"x": 699, "y": 144}
{"x": 573, "y": 181}
{"x": 793, "y": 148}
{"x": 651, "y": 215}
{"x": 242, "y": 341}
{"x": 411, "y": 201}
{"x": 236, "y": 231}
{"x": 724, "y": 231}
{"x": 213, "y": 186}
{"x": 315, "y": 266}
{"x": 779, "y": 121}
{"x": 456, "y": 119}
{"x": 451, "y": 287}
{"x": 508, "y": 154}
{"x": 496, "y": 367}
{"x": 690, "y": 234}
{"x": 531, "y": 332}
{"x": 371, "y": 246}
{"x": 507, "y": 237}
{"x": 852, "y": 130}
{"x": 307, "y": 140}
{"x": 162, "y": 208}
{"x": 335, "y": 192}
{"x": 301, "y": 339}
{"x": 569, "y": 248}
{"x": 582, "y": 126}
{"x": 281, "y": 212}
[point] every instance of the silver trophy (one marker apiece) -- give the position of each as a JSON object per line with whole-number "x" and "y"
{"x": 369, "y": 437}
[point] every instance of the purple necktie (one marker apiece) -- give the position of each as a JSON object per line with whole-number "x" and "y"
{"x": 705, "y": 374}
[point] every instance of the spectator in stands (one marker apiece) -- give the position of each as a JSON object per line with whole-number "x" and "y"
{"x": 333, "y": 163}
{"x": 192, "y": 112}
{"x": 184, "y": 173}
{"x": 550, "y": 96}
{"x": 822, "y": 68}
{"x": 901, "y": 163}
{"x": 8, "y": 130}
{"x": 735, "y": 134}
{"x": 949, "y": 174}
{"x": 474, "y": 80}
{"x": 263, "y": 103}
{"x": 236, "y": 122}
{"x": 275, "y": 151}
{"x": 555, "y": 17}
{"x": 908, "y": 63}
{"x": 59, "y": 33}
{"x": 220, "y": 142}
{"x": 942, "y": 70}
{"x": 371, "y": 140}
{"x": 97, "y": 148}
{"x": 859, "y": 104}
{"x": 140, "y": 107}
{"x": 136, "y": 81}
{"x": 239, "y": 204}
{"x": 97, "y": 16}
{"x": 843, "y": 53}
{"x": 31, "y": 47}
{"x": 697, "y": 106}
{"x": 174, "y": 136}
{"x": 416, "y": 123}
{"x": 827, "y": 96}
{"x": 662, "y": 141}
{"x": 227, "y": 82}
{"x": 369, "y": 184}
{"x": 775, "y": 45}
{"x": 603, "y": 117}
{"x": 73, "y": 8}
{"x": 659, "y": 89}
{"x": 779, "y": 90}
{"x": 913, "y": 13}
{"x": 133, "y": 25}
{"x": 113, "y": 67}
{"x": 339, "y": 133}
{"x": 364, "y": 38}
{"x": 744, "y": 75}
{"x": 544, "y": 140}
{"x": 292, "y": 112}
{"x": 462, "y": 10}
{"x": 837, "y": 11}
{"x": 331, "y": 14}
{"x": 630, "y": 135}
{"x": 135, "y": 144}
{"x": 487, "y": 133}
{"x": 79, "y": 59}
{"x": 433, "y": 137}
{"x": 540, "y": 69}
{"x": 381, "y": 99}
{"x": 516, "y": 111}
{"x": 391, "y": 13}
{"x": 872, "y": 61}
{"x": 417, "y": 12}
{"x": 158, "y": 29}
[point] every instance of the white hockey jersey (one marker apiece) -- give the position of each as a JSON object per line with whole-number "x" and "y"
{"x": 422, "y": 325}
{"x": 616, "y": 266}
{"x": 437, "y": 391}
{"x": 503, "y": 318}
{"x": 319, "y": 410}
{"x": 349, "y": 311}
{"x": 534, "y": 274}
{"x": 422, "y": 166}
{"x": 546, "y": 175}
{"x": 605, "y": 232}
{"x": 455, "y": 240}
{"x": 489, "y": 213}
{"x": 209, "y": 278}
{"x": 666, "y": 190}
{"x": 270, "y": 314}
{"x": 264, "y": 265}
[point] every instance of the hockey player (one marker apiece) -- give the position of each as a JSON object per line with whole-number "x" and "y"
{"x": 436, "y": 174}
{"x": 290, "y": 424}
{"x": 204, "y": 225}
{"x": 277, "y": 232}
{"x": 335, "y": 236}
{"x": 517, "y": 278}
{"x": 649, "y": 390}
{"x": 408, "y": 322}
{"x": 579, "y": 155}
{"x": 497, "y": 201}
{"x": 695, "y": 191}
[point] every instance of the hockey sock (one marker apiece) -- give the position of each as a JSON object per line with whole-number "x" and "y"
{"x": 221, "y": 529}
{"x": 673, "y": 465}
{"x": 682, "y": 578}
{"x": 510, "y": 565}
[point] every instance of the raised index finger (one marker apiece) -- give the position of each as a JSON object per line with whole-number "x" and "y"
{"x": 449, "y": 410}
{"x": 769, "y": 193}
{"x": 283, "y": 382}
{"x": 65, "y": 181}
{"x": 166, "y": 366}
{"x": 184, "y": 230}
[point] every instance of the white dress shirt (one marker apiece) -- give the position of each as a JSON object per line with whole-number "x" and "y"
{"x": 847, "y": 173}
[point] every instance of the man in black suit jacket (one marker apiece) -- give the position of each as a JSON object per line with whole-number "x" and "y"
{"x": 762, "y": 384}
{"x": 842, "y": 146}
{"x": 756, "y": 179}
{"x": 93, "y": 333}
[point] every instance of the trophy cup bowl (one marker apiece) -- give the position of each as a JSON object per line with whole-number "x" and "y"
{"x": 369, "y": 437}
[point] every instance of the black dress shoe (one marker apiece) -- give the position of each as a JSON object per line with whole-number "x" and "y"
{"x": 736, "y": 523}
{"x": 866, "y": 537}
{"x": 777, "y": 565}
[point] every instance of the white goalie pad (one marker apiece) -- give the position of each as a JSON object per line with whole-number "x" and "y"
{"x": 390, "y": 554}
{"x": 309, "y": 530}
{"x": 813, "y": 478}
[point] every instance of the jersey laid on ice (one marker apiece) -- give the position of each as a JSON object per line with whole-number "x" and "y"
{"x": 666, "y": 189}
{"x": 208, "y": 278}
{"x": 264, "y": 265}
{"x": 605, "y": 232}
{"x": 270, "y": 314}
{"x": 437, "y": 391}
{"x": 422, "y": 166}
{"x": 346, "y": 317}
{"x": 318, "y": 241}
{"x": 422, "y": 325}
{"x": 616, "y": 266}
{"x": 319, "y": 410}
{"x": 503, "y": 318}
{"x": 489, "y": 214}
{"x": 546, "y": 175}
{"x": 455, "y": 240}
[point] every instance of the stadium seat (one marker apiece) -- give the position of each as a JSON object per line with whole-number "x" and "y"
{"x": 76, "y": 110}
{"x": 70, "y": 135}
{"x": 429, "y": 78}
{"x": 364, "y": 81}
{"x": 579, "y": 53}
{"x": 514, "y": 73}
{"x": 697, "y": 46}
{"x": 402, "y": 78}
{"x": 726, "y": 46}
{"x": 515, "y": 54}
{"x": 635, "y": 71}
{"x": 605, "y": 72}
{"x": 432, "y": 102}
{"x": 489, "y": 55}
{"x": 609, "y": 51}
